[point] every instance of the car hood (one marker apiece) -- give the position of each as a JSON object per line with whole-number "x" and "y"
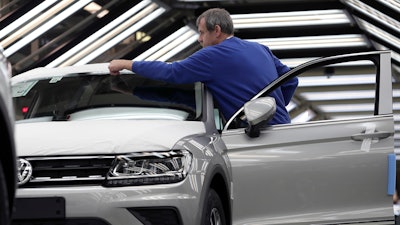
{"x": 101, "y": 136}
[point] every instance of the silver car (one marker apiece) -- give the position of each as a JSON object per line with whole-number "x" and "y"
{"x": 126, "y": 150}
{"x": 8, "y": 169}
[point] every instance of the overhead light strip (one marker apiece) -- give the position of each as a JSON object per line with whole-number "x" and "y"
{"x": 148, "y": 54}
{"x": 45, "y": 27}
{"x": 117, "y": 39}
{"x": 327, "y": 41}
{"x": 379, "y": 33}
{"x": 342, "y": 108}
{"x": 180, "y": 47}
{"x": 374, "y": 14}
{"x": 338, "y": 95}
{"x": 393, "y": 4}
{"x": 98, "y": 34}
{"x": 164, "y": 53}
{"x": 343, "y": 95}
{"x": 304, "y": 116}
{"x": 352, "y": 108}
{"x": 293, "y": 62}
{"x": 23, "y": 31}
{"x": 336, "y": 80}
{"x": 171, "y": 45}
{"x": 350, "y": 116}
{"x": 93, "y": 8}
{"x": 26, "y": 17}
{"x": 286, "y": 19}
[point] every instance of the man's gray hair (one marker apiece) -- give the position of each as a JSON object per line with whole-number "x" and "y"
{"x": 217, "y": 16}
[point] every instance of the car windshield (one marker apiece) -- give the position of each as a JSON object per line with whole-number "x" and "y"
{"x": 89, "y": 96}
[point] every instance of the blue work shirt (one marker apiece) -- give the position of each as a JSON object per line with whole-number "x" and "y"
{"x": 234, "y": 70}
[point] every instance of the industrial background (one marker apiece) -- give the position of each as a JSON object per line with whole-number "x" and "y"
{"x": 52, "y": 33}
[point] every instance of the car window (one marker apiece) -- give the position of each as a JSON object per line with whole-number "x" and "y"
{"x": 329, "y": 92}
{"x": 104, "y": 96}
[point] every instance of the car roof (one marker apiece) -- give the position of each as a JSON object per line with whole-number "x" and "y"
{"x": 45, "y": 72}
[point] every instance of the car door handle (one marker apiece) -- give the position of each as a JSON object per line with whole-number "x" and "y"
{"x": 375, "y": 135}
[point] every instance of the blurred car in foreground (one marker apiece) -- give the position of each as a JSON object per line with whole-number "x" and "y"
{"x": 8, "y": 169}
{"x": 125, "y": 150}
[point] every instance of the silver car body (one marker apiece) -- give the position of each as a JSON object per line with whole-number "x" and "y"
{"x": 322, "y": 172}
{"x": 7, "y": 152}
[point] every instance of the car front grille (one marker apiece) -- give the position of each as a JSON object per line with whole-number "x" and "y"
{"x": 68, "y": 170}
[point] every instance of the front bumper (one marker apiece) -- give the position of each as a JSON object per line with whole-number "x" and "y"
{"x": 178, "y": 203}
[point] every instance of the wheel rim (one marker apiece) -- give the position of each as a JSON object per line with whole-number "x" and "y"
{"x": 215, "y": 218}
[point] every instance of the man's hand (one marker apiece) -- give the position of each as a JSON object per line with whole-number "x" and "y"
{"x": 117, "y": 65}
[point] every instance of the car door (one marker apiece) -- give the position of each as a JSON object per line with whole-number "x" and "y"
{"x": 325, "y": 170}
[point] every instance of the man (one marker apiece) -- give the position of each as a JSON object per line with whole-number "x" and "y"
{"x": 233, "y": 69}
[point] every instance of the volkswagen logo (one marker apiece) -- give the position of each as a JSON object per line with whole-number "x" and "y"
{"x": 24, "y": 171}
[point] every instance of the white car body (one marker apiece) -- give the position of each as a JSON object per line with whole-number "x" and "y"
{"x": 321, "y": 172}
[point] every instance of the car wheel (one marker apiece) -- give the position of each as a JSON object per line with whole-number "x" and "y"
{"x": 213, "y": 210}
{"x": 4, "y": 210}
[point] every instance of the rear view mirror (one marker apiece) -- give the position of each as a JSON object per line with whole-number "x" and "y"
{"x": 258, "y": 112}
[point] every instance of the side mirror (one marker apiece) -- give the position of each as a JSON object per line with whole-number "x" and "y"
{"x": 258, "y": 112}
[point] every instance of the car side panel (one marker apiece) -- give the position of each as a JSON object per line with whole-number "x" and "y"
{"x": 312, "y": 172}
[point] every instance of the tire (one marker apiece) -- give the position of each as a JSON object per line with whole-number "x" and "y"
{"x": 4, "y": 208}
{"x": 213, "y": 211}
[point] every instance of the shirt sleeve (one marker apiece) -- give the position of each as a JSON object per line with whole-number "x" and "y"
{"x": 289, "y": 87}
{"x": 195, "y": 68}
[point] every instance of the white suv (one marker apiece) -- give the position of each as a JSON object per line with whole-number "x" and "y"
{"x": 126, "y": 150}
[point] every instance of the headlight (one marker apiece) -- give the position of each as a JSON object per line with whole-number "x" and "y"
{"x": 149, "y": 168}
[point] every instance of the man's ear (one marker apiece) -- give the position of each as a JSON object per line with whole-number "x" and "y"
{"x": 217, "y": 30}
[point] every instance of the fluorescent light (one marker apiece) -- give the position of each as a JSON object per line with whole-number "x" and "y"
{"x": 338, "y": 108}
{"x": 342, "y": 95}
{"x": 182, "y": 45}
{"x": 304, "y": 116}
{"x": 379, "y": 33}
{"x": 100, "y": 33}
{"x": 396, "y": 106}
{"x": 151, "y": 51}
{"x": 396, "y": 117}
{"x": 45, "y": 27}
{"x": 393, "y": 4}
{"x": 94, "y": 7}
{"x": 396, "y": 93}
{"x": 26, "y": 28}
{"x": 337, "y": 95}
{"x": 350, "y": 116}
{"x": 285, "y": 19}
{"x": 375, "y": 14}
{"x": 307, "y": 42}
{"x": 291, "y": 106}
{"x": 112, "y": 42}
{"x": 335, "y": 80}
{"x": 171, "y": 45}
{"x": 383, "y": 36}
{"x": 293, "y": 62}
{"x": 26, "y": 17}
